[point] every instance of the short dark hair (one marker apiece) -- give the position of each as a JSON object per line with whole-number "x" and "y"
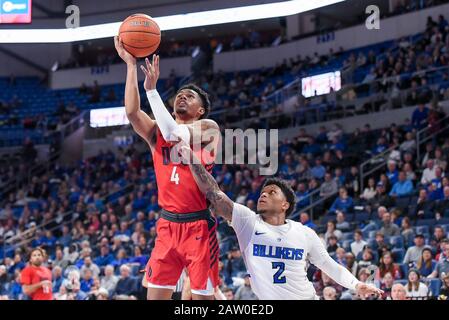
{"x": 203, "y": 95}
{"x": 286, "y": 190}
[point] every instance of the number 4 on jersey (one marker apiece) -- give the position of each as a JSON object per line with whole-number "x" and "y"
{"x": 174, "y": 176}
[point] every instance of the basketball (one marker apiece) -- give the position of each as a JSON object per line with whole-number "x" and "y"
{"x": 140, "y": 35}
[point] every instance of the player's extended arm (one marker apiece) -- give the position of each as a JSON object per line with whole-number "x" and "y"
{"x": 220, "y": 202}
{"x": 141, "y": 122}
{"x": 321, "y": 258}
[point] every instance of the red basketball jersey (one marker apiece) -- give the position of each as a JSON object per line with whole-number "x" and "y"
{"x": 177, "y": 188}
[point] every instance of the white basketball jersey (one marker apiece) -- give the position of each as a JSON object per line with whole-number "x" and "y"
{"x": 276, "y": 256}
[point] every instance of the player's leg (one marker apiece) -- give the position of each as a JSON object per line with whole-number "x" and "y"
{"x": 202, "y": 259}
{"x": 165, "y": 266}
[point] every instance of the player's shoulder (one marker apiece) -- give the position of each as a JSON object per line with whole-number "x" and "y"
{"x": 299, "y": 226}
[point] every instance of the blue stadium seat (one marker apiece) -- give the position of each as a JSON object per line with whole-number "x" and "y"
{"x": 426, "y": 222}
{"x": 424, "y": 229}
{"x": 372, "y": 243}
{"x": 363, "y": 216}
{"x": 402, "y": 202}
{"x": 404, "y": 269}
{"x": 445, "y": 227}
{"x": 398, "y": 254}
{"x": 397, "y": 242}
{"x": 434, "y": 286}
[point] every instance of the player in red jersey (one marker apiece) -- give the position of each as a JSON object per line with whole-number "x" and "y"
{"x": 35, "y": 278}
{"x": 186, "y": 231}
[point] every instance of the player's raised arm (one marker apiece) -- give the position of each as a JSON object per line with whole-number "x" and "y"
{"x": 141, "y": 122}
{"x": 321, "y": 258}
{"x": 220, "y": 202}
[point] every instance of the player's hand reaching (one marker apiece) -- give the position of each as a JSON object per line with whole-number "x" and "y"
{"x": 366, "y": 290}
{"x": 125, "y": 55}
{"x": 151, "y": 73}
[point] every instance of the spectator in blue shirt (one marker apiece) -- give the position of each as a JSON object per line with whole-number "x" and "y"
{"x": 380, "y": 147}
{"x": 343, "y": 203}
{"x": 151, "y": 221}
{"x": 337, "y": 145}
{"x": 419, "y": 117}
{"x": 403, "y": 187}
{"x": 153, "y": 204}
{"x": 392, "y": 172}
{"x": 311, "y": 147}
{"x": 66, "y": 239}
{"x": 302, "y": 195}
{"x": 140, "y": 202}
{"x": 104, "y": 258}
{"x": 426, "y": 264}
{"x": 86, "y": 281}
{"x": 318, "y": 171}
{"x": 57, "y": 278}
{"x": 305, "y": 220}
{"x": 139, "y": 258}
{"x": 121, "y": 258}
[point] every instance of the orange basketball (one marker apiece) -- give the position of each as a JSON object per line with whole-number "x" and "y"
{"x": 140, "y": 35}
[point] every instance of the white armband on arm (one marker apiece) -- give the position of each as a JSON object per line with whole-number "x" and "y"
{"x": 169, "y": 128}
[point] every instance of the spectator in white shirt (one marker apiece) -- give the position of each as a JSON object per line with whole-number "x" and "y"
{"x": 415, "y": 289}
{"x": 358, "y": 244}
{"x": 429, "y": 172}
{"x": 370, "y": 191}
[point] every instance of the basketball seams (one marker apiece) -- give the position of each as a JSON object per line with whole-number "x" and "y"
{"x": 149, "y": 32}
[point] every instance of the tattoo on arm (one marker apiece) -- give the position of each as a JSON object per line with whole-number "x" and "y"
{"x": 220, "y": 203}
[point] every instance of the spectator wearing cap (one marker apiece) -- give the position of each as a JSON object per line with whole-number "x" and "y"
{"x": 358, "y": 244}
{"x": 414, "y": 253}
{"x": 415, "y": 289}
{"x": 245, "y": 292}
{"x": 402, "y": 187}
{"x": 442, "y": 266}
{"x": 343, "y": 203}
{"x": 388, "y": 228}
{"x": 305, "y": 220}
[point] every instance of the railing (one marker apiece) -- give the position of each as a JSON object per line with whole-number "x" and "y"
{"x": 310, "y": 209}
{"x": 374, "y": 164}
{"x": 427, "y": 134}
{"x": 39, "y": 168}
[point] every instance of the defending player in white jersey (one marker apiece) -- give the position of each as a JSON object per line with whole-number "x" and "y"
{"x": 275, "y": 249}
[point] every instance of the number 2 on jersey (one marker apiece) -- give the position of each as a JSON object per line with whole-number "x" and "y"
{"x": 278, "y": 277}
{"x": 174, "y": 176}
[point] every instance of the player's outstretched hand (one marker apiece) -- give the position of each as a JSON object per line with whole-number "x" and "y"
{"x": 366, "y": 290}
{"x": 125, "y": 55}
{"x": 151, "y": 73}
